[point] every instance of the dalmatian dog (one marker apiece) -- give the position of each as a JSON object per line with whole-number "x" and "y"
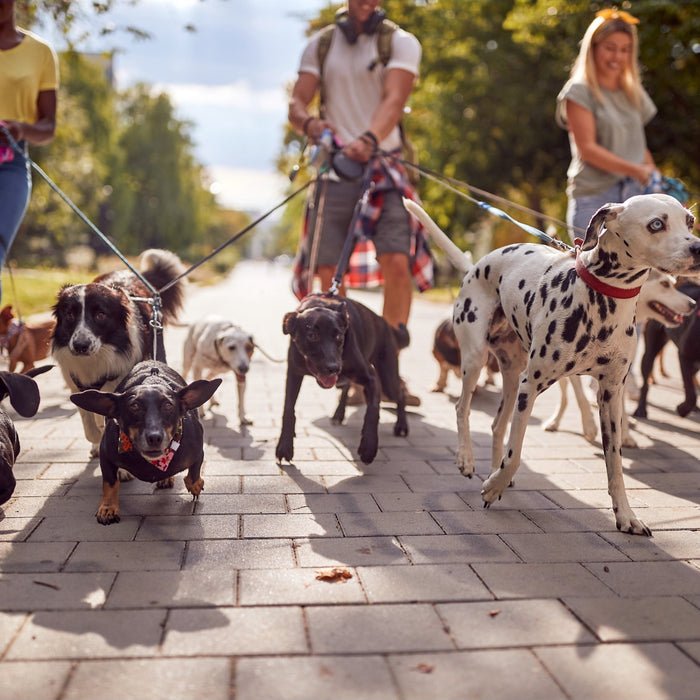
{"x": 660, "y": 299}
{"x": 214, "y": 346}
{"x": 547, "y": 313}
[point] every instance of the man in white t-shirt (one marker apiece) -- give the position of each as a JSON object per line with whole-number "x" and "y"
{"x": 363, "y": 103}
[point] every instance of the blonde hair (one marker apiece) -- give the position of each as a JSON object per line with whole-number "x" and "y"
{"x": 584, "y": 66}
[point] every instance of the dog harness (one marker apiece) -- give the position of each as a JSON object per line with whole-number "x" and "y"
{"x": 162, "y": 462}
{"x": 598, "y": 285}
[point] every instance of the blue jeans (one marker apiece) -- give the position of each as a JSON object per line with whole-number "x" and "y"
{"x": 581, "y": 209}
{"x": 15, "y": 190}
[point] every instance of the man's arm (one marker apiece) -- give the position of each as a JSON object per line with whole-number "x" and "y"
{"x": 42, "y": 131}
{"x": 303, "y": 92}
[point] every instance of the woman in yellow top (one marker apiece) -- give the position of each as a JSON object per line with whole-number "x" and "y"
{"x": 28, "y": 83}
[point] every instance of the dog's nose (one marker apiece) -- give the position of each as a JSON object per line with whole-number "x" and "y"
{"x": 80, "y": 347}
{"x": 695, "y": 249}
{"x": 333, "y": 368}
{"x": 154, "y": 438}
{"x": 242, "y": 369}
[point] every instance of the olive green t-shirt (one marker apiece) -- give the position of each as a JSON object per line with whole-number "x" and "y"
{"x": 619, "y": 128}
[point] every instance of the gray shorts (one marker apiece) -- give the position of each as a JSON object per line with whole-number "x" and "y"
{"x": 392, "y": 233}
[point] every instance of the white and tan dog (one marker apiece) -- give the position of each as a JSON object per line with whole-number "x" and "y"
{"x": 546, "y": 314}
{"x": 214, "y": 346}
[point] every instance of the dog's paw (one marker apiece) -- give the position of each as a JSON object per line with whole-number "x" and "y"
{"x": 94, "y": 450}
{"x": 464, "y": 463}
{"x": 367, "y": 450}
{"x": 194, "y": 487}
{"x": 124, "y": 475}
{"x": 284, "y": 451}
{"x": 683, "y": 409}
{"x": 401, "y": 429}
{"x": 631, "y": 525}
{"x": 107, "y": 514}
{"x": 166, "y": 483}
{"x": 493, "y": 487}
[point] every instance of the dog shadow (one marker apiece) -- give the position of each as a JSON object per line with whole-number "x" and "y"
{"x": 225, "y": 442}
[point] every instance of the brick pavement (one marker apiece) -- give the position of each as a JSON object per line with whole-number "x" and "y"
{"x": 538, "y": 597}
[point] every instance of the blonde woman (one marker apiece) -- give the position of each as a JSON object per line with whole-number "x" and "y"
{"x": 605, "y": 109}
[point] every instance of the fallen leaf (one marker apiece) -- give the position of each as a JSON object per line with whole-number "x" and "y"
{"x": 493, "y": 613}
{"x": 333, "y": 574}
{"x": 47, "y": 584}
{"x": 425, "y": 668}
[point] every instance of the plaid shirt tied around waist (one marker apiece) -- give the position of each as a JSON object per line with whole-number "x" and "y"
{"x": 363, "y": 269}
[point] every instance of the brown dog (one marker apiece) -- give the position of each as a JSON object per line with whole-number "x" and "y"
{"x": 338, "y": 341}
{"x": 25, "y": 342}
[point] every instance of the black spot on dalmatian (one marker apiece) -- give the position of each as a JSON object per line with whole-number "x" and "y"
{"x": 603, "y": 360}
{"x": 566, "y": 301}
{"x": 582, "y": 342}
{"x": 604, "y": 333}
{"x": 521, "y": 284}
{"x": 543, "y": 351}
{"x": 487, "y": 271}
{"x": 537, "y": 374}
{"x": 543, "y": 294}
{"x": 514, "y": 321}
{"x": 553, "y": 305}
{"x": 557, "y": 280}
{"x": 477, "y": 272}
{"x": 522, "y": 401}
{"x": 606, "y": 396}
{"x": 571, "y": 324}
{"x": 550, "y": 332}
{"x": 569, "y": 366}
{"x": 629, "y": 331}
{"x": 555, "y": 356}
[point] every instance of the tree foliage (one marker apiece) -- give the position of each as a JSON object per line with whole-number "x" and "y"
{"x": 483, "y": 110}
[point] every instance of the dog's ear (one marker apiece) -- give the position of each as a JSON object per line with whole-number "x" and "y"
{"x": 341, "y": 310}
{"x": 6, "y": 313}
{"x": 197, "y": 393}
{"x": 289, "y": 322}
{"x": 606, "y": 213}
{"x": 23, "y": 392}
{"x": 103, "y": 403}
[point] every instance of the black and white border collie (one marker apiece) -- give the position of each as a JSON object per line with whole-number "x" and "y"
{"x": 102, "y": 331}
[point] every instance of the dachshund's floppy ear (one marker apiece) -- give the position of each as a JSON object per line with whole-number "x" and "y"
{"x": 606, "y": 213}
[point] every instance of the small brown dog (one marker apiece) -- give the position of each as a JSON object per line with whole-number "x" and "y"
{"x": 25, "y": 342}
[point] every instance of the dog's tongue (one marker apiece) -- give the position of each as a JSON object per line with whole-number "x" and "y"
{"x": 327, "y": 381}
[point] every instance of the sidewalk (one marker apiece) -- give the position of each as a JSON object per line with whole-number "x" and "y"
{"x": 538, "y": 597}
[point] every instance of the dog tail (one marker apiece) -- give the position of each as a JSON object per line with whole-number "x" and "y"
{"x": 402, "y": 337}
{"x": 460, "y": 259}
{"x": 160, "y": 267}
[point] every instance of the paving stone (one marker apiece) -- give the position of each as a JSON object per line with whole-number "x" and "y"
{"x": 678, "y": 544}
{"x": 350, "y": 629}
{"x": 17, "y": 529}
{"x": 643, "y": 579}
{"x": 573, "y": 520}
{"x": 449, "y": 549}
{"x": 298, "y": 587}
{"x": 290, "y": 525}
{"x": 240, "y": 503}
{"x": 644, "y": 671}
{"x": 158, "y": 679}
{"x": 240, "y": 554}
{"x": 10, "y": 624}
{"x": 350, "y": 551}
{"x": 51, "y": 591}
{"x": 408, "y": 502}
{"x": 168, "y": 589}
{"x": 540, "y": 580}
{"x": 332, "y": 503}
{"x": 461, "y": 675}
{"x": 38, "y": 680}
{"x": 189, "y": 528}
{"x": 481, "y": 522}
{"x": 235, "y": 631}
{"x": 72, "y": 529}
{"x": 649, "y": 619}
{"x": 565, "y": 546}
{"x": 301, "y": 678}
{"x": 80, "y": 634}
{"x": 378, "y": 524}
{"x": 512, "y": 623}
{"x": 422, "y": 583}
{"x": 21, "y": 557}
{"x": 126, "y": 556}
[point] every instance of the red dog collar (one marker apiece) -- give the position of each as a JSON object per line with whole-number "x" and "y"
{"x": 599, "y": 286}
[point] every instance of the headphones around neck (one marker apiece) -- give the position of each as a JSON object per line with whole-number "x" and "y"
{"x": 371, "y": 26}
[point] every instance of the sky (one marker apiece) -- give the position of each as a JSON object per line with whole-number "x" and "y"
{"x": 229, "y": 77}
